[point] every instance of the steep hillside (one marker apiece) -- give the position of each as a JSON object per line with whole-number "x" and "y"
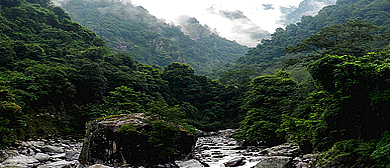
{"x": 131, "y": 29}
{"x": 55, "y": 75}
{"x": 270, "y": 55}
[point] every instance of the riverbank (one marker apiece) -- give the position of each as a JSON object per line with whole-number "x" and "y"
{"x": 219, "y": 149}
{"x": 215, "y": 149}
{"x": 42, "y": 153}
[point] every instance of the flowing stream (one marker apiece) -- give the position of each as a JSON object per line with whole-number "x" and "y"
{"x": 218, "y": 149}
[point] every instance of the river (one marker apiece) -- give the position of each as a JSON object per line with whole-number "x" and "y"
{"x": 219, "y": 148}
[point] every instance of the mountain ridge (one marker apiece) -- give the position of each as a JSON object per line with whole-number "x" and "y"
{"x": 132, "y": 29}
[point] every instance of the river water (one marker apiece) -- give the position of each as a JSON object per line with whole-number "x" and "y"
{"x": 218, "y": 149}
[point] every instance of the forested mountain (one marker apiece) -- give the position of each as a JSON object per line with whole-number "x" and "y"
{"x": 55, "y": 75}
{"x": 342, "y": 110}
{"x": 270, "y": 56}
{"x": 131, "y": 29}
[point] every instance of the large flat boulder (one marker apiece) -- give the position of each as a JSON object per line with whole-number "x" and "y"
{"x": 135, "y": 140}
{"x": 274, "y": 162}
{"x": 287, "y": 149}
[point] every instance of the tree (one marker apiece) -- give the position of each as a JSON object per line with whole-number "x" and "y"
{"x": 10, "y": 3}
{"x": 266, "y": 101}
{"x": 43, "y": 3}
{"x": 11, "y": 117}
{"x": 351, "y": 102}
{"x": 161, "y": 110}
{"x": 121, "y": 101}
{"x": 351, "y": 38}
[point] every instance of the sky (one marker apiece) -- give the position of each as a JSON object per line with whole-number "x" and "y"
{"x": 229, "y": 17}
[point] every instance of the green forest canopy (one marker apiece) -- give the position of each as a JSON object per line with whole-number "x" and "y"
{"x": 55, "y": 75}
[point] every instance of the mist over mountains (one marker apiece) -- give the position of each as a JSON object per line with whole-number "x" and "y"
{"x": 131, "y": 29}
{"x": 242, "y": 29}
{"x": 307, "y": 7}
{"x": 247, "y": 23}
{"x": 245, "y": 26}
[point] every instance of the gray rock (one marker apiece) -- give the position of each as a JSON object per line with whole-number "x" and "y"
{"x": 36, "y": 143}
{"x": 310, "y": 156}
{"x": 105, "y": 145}
{"x": 42, "y": 157}
{"x": 99, "y": 166}
{"x": 3, "y": 156}
{"x": 68, "y": 142}
{"x": 287, "y": 149}
{"x": 61, "y": 155}
{"x": 28, "y": 152}
{"x": 52, "y": 149}
{"x": 60, "y": 164}
{"x": 25, "y": 144}
{"x": 72, "y": 155}
{"x": 227, "y": 132}
{"x": 235, "y": 162}
{"x": 20, "y": 160}
{"x": 189, "y": 163}
{"x": 36, "y": 150}
{"x": 274, "y": 162}
{"x": 302, "y": 165}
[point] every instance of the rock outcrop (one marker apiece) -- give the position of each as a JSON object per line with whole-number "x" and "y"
{"x": 134, "y": 140}
{"x": 280, "y": 156}
{"x": 274, "y": 162}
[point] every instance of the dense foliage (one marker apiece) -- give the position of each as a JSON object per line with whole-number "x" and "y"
{"x": 266, "y": 101}
{"x": 343, "y": 108}
{"x": 55, "y": 75}
{"x": 270, "y": 56}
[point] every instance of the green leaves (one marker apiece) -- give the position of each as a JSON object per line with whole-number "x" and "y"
{"x": 351, "y": 38}
{"x": 268, "y": 99}
{"x": 122, "y": 101}
{"x": 164, "y": 137}
{"x": 161, "y": 110}
{"x": 11, "y": 3}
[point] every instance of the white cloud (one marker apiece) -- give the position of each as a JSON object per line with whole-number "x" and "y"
{"x": 260, "y": 17}
{"x": 253, "y": 9}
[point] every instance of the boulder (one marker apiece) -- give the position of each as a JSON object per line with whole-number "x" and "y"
{"x": 287, "y": 149}
{"x": 274, "y": 162}
{"x": 227, "y": 133}
{"x": 235, "y": 162}
{"x": 125, "y": 140}
{"x": 20, "y": 160}
{"x": 58, "y": 156}
{"x": 72, "y": 155}
{"x": 61, "y": 163}
{"x": 189, "y": 163}
{"x": 51, "y": 149}
{"x": 99, "y": 166}
{"x": 36, "y": 143}
{"x": 42, "y": 157}
{"x": 3, "y": 156}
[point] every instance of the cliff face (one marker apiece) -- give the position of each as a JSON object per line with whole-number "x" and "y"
{"x": 135, "y": 140}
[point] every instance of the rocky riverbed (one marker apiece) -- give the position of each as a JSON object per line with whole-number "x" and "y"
{"x": 219, "y": 149}
{"x": 42, "y": 154}
{"x": 216, "y": 149}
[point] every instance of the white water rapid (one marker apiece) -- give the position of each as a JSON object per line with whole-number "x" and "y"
{"x": 218, "y": 149}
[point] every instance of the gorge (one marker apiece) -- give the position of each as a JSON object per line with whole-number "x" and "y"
{"x": 316, "y": 89}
